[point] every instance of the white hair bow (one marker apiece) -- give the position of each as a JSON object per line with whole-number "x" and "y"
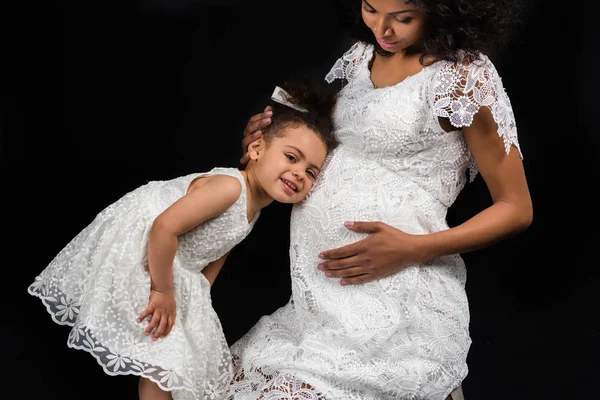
{"x": 281, "y": 96}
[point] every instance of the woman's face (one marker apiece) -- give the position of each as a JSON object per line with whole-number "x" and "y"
{"x": 396, "y": 24}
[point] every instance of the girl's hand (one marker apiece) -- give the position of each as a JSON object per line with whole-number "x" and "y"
{"x": 161, "y": 306}
{"x": 252, "y": 131}
{"x": 385, "y": 251}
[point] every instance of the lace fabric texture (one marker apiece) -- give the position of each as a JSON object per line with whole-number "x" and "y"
{"x": 405, "y": 336}
{"x": 99, "y": 284}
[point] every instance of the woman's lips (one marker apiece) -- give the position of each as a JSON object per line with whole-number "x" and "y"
{"x": 386, "y": 44}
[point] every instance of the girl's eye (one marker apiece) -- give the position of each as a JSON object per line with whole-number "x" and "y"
{"x": 311, "y": 174}
{"x": 291, "y": 157}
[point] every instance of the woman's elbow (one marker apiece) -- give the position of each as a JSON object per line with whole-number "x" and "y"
{"x": 525, "y": 217}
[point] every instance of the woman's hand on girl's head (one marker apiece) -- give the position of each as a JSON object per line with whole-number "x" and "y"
{"x": 161, "y": 310}
{"x": 252, "y": 131}
{"x": 385, "y": 251}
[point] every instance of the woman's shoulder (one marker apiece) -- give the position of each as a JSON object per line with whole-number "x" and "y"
{"x": 460, "y": 88}
{"x": 358, "y": 48}
{"x": 466, "y": 63}
{"x": 467, "y": 66}
{"x": 345, "y": 66}
{"x": 468, "y": 74}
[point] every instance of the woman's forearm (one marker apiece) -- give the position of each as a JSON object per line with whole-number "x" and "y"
{"x": 162, "y": 246}
{"x": 495, "y": 223}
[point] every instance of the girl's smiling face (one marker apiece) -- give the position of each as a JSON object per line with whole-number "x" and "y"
{"x": 286, "y": 166}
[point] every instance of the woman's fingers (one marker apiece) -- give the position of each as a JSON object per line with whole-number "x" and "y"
{"x": 249, "y": 139}
{"x": 257, "y": 122}
{"x": 342, "y": 263}
{"x": 253, "y": 132}
{"x": 345, "y": 272}
{"x": 357, "y": 280}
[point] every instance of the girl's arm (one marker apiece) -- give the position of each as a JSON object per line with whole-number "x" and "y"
{"x": 206, "y": 199}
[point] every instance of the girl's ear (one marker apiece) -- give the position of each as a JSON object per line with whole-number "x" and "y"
{"x": 256, "y": 148}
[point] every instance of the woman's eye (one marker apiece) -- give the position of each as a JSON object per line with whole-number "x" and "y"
{"x": 404, "y": 20}
{"x": 291, "y": 157}
{"x": 369, "y": 10}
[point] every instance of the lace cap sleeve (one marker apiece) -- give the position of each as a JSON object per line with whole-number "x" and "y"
{"x": 461, "y": 89}
{"x": 345, "y": 66}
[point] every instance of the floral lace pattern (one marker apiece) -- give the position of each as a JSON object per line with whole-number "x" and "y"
{"x": 405, "y": 336}
{"x": 99, "y": 283}
{"x": 461, "y": 89}
{"x": 272, "y": 385}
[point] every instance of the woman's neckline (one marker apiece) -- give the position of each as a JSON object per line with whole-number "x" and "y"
{"x": 369, "y": 64}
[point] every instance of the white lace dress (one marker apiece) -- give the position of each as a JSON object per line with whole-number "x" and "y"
{"x": 99, "y": 284}
{"x": 405, "y": 336}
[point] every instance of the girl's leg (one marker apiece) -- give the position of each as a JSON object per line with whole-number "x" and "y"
{"x": 457, "y": 394}
{"x": 149, "y": 390}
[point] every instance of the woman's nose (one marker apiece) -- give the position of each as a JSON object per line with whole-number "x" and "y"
{"x": 382, "y": 27}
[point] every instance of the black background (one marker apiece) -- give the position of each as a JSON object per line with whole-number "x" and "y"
{"x": 98, "y": 98}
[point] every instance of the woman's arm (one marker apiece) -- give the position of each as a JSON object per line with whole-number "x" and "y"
{"x": 511, "y": 211}
{"x": 252, "y": 130}
{"x": 206, "y": 199}
{"x": 387, "y": 250}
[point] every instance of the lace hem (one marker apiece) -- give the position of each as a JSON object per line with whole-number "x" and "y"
{"x": 65, "y": 311}
{"x": 81, "y": 338}
{"x": 270, "y": 385}
{"x": 279, "y": 386}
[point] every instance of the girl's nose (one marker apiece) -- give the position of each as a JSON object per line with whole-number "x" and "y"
{"x": 298, "y": 174}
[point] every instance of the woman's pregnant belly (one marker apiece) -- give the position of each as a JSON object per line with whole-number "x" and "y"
{"x": 355, "y": 190}
{"x": 361, "y": 190}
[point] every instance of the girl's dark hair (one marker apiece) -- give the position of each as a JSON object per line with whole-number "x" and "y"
{"x": 451, "y": 26}
{"x": 317, "y": 97}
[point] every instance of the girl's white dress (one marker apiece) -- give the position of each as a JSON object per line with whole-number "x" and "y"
{"x": 405, "y": 336}
{"x": 99, "y": 284}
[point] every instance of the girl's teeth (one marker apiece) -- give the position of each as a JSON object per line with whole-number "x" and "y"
{"x": 290, "y": 184}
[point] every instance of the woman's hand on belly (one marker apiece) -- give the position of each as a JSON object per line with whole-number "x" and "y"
{"x": 385, "y": 251}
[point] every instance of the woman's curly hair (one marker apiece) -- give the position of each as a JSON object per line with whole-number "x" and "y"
{"x": 452, "y": 27}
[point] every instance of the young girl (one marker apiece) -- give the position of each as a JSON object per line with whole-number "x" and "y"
{"x": 168, "y": 240}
